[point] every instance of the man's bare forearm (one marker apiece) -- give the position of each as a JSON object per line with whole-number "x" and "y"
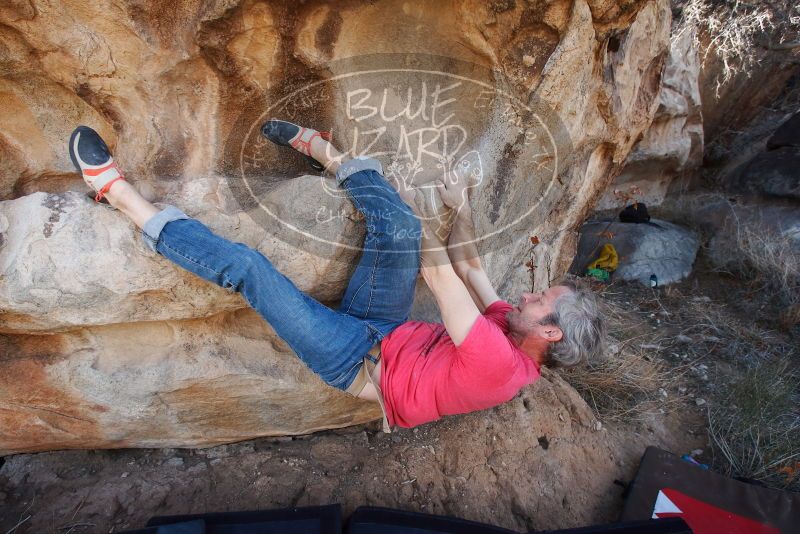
{"x": 467, "y": 262}
{"x": 433, "y": 249}
{"x": 461, "y": 246}
{"x": 433, "y": 241}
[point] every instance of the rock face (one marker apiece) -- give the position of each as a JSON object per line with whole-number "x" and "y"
{"x": 162, "y": 384}
{"x": 673, "y": 144}
{"x": 787, "y": 135}
{"x": 658, "y": 248}
{"x": 772, "y": 173}
{"x": 120, "y": 348}
{"x": 729, "y": 223}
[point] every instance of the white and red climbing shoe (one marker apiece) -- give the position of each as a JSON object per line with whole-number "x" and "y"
{"x": 91, "y": 157}
{"x": 289, "y": 134}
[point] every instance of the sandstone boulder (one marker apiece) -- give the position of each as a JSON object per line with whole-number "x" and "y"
{"x": 673, "y": 144}
{"x": 772, "y": 173}
{"x": 162, "y": 384}
{"x": 769, "y": 227}
{"x": 553, "y": 96}
{"x": 787, "y": 134}
{"x": 67, "y": 262}
{"x": 658, "y": 248}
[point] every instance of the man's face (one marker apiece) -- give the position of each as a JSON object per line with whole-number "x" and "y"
{"x": 531, "y": 308}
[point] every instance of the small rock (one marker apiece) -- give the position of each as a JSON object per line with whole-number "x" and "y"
{"x": 174, "y": 462}
{"x": 215, "y": 461}
{"x": 697, "y": 452}
{"x": 124, "y": 475}
{"x": 682, "y": 390}
{"x": 699, "y": 401}
{"x": 663, "y": 392}
{"x": 528, "y": 61}
{"x": 598, "y": 426}
{"x": 681, "y": 338}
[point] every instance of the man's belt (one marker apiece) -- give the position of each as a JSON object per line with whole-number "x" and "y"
{"x": 367, "y": 368}
{"x": 375, "y": 351}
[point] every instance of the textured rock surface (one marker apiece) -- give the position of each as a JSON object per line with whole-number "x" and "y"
{"x": 773, "y": 173}
{"x": 768, "y": 169}
{"x": 168, "y": 85}
{"x": 520, "y": 466}
{"x": 788, "y": 134}
{"x": 657, "y": 248}
{"x": 162, "y": 384}
{"x": 673, "y": 144}
{"x": 66, "y": 262}
{"x": 728, "y": 223}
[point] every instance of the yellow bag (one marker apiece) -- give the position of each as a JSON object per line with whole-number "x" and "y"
{"x": 608, "y": 259}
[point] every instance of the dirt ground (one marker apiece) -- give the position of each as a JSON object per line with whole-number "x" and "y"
{"x": 509, "y": 466}
{"x": 542, "y": 461}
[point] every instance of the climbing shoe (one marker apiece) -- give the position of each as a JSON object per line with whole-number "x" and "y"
{"x": 285, "y": 133}
{"x": 91, "y": 157}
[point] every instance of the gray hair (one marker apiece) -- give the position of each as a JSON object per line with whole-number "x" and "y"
{"x": 578, "y": 316}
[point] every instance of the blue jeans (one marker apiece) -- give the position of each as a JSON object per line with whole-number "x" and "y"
{"x": 333, "y": 343}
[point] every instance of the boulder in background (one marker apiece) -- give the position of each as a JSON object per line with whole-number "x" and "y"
{"x": 658, "y": 248}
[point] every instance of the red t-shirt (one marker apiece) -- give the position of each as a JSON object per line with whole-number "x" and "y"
{"x": 425, "y": 376}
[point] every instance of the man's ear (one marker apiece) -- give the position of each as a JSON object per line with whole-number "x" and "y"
{"x": 552, "y": 333}
{"x": 549, "y": 332}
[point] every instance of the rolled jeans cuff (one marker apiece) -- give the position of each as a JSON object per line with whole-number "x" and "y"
{"x": 152, "y": 228}
{"x": 357, "y": 165}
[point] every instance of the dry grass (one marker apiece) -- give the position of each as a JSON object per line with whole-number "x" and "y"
{"x": 755, "y": 429}
{"x": 736, "y": 30}
{"x": 628, "y": 383}
{"x": 622, "y": 388}
{"x": 715, "y": 330}
{"x": 771, "y": 261}
{"x": 748, "y": 248}
{"x": 678, "y": 342}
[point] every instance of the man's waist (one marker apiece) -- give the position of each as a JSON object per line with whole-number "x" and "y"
{"x": 375, "y": 351}
{"x": 368, "y": 373}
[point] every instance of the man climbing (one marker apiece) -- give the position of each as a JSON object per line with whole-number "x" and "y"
{"x": 482, "y": 355}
